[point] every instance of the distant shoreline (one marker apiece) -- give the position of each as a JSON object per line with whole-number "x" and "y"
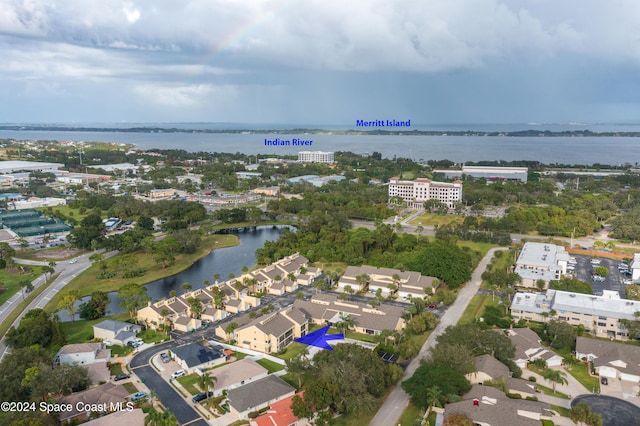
{"x": 296, "y": 131}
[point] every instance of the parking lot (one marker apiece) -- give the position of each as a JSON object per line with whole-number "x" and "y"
{"x": 614, "y": 281}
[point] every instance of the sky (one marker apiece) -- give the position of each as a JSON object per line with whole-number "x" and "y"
{"x": 320, "y": 61}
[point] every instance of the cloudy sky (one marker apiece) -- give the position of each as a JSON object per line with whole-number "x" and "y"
{"x": 320, "y": 61}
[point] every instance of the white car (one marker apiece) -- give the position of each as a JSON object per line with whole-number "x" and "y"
{"x": 177, "y": 374}
{"x": 595, "y": 261}
{"x": 72, "y": 261}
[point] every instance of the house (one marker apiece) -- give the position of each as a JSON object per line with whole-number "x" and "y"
{"x": 611, "y": 359}
{"x": 529, "y": 348}
{"x": 198, "y": 355}
{"x": 82, "y": 353}
{"x": 108, "y": 396}
{"x": 280, "y": 414}
{"x": 489, "y": 368}
{"x": 236, "y": 374}
{"x": 404, "y": 284}
{"x": 127, "y": 416}
{"x": 490, "y": 406}
{"x": 273, "y": 332}
{"x": 186, "y": 324}
{"x": 258, "y": 395}
{"x": 601, "y": 315}
{"x": 324, "y": 309}
{"x": 541, "y": 261}
{"x": 116, "y": 332}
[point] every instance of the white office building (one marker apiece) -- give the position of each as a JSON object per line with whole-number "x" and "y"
{"x": 540, "y": 261}
{"x": 315, "y": 157}
{"x": 417, "y": 191}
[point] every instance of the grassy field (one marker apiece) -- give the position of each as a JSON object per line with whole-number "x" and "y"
{"x": 409, "y": 415}
{"x": 581, "y": 373}
{"x": 476, "y": 307}
{"x": 87, "y": 282}
{"x": 11, "y": 282}
{"x": 82, "y": 330}
{"x": 189, "y": 383}
{"x": 271, "y": 366}
{"x": 482, "y": 248}
{"x": 549, "y": 391}
{"x": 67, "y": 211}
{"x": 432, "y": 219}
{"x": 293, "y": 350}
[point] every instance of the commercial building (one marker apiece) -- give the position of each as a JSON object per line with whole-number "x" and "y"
{"x": 13, "y": 166}
{"x": 315, "y": 157}
{"x": 540, "y": 261}
{"x": 600, "y": 315}
{"x": 490, "y": 174}
{"x": 635, "y": 267}
{"x": 416, "y": 192}
{"x": 316, "y": 180}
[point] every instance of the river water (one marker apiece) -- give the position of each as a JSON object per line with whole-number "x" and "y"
{"x": 222, "y": 261}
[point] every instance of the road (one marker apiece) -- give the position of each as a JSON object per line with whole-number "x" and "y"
{"x": 67, "y": 271}
{"x": 397, "y": 401}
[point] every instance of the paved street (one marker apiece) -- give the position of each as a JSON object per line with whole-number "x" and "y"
{"x": 398, "y": 400}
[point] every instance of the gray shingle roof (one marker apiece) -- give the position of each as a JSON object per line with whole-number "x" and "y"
{"x": 259, "y": 392}
{"x": 196, "y": 353}
{"x": 113, "y": 325}
{"x": 608, "y": 352}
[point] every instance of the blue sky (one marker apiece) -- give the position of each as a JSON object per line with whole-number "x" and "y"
{"x": 320, "y": 61}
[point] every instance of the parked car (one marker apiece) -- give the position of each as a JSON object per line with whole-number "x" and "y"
{"x": 164, "y": 357}
{"x": 138, "y": 395}
{"x": 202, "y": 396}
{"x": 596, "y": 261}
{"x": 121, "y": 377}
{"x": 604, "y": 381}
{"x": 133, "y": 344}
{"x": 177, "y": 374}
{"x": 432, "y": 306}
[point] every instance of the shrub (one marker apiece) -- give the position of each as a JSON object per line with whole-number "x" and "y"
{"x": 532, "y": 379}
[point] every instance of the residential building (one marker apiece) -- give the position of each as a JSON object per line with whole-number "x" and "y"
{"x": 600, "y": 315}
{"x": 324, "y": 309}
{"x": 258, "y": 395}
{"x": 489, "y": 368}
{"x": 490, "y": 406}
{"x": 236, "y": 374}
{"x": 116, "y": 332}
{"x": 416, "y": 192}
{"x": 198, "y": 355}
{"x": 272, "y": 332}
{"x": 81, "y": 354}
{"x": 490, "y": 174}
{"x": 123, "y": 417}
{"x": 407, "y": 284}
{"x": 541, "y": 261}
{"x": 529, "y": 348}
{"x": 280, "y": 414}
{"x": 610, "y": 359}
{"x": 315, "y": 157}
{"x": 110, "y": 396}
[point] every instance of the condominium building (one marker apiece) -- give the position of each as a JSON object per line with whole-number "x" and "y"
{"x": 273, "y": 332}
{"x": 417, "y": 191}
{"x": 540, "y": 261}
{"x": 315, "y": 157}
{"x": 601, "y": 315}
{"x": 405, "y": 284}
{"x": 490, "y": 174}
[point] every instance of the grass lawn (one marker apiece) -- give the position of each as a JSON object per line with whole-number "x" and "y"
{"x": 130, "y": 387}
{"x": 152, "y": 336}
{"x": 87, "y": 282}
{"x": 564, "y": 412}
{"x": 331, "y": 266}
{"x": 547, "y": 423}
{"x": 67, "y": 211}
{"x": 432, "y": 219}
{"x": 549, "y": 391}
{"x": 293, "y": 350}
{"x": 10, "y": 281}
{"x": 81, "y": 331}
{"x": 476, "y": 307}
{"x": 189, "y": 383}
{"x": 52, "y": 253}
{"x": 116, "y": 368}
{"x": 120, "y": 350}
{"x": 482, "y": 248}
{"x": 409, "y": 415}
{"x": 359, "y": 336}
{"x": 271, "y": 366}
{"x": 581, "y": 373}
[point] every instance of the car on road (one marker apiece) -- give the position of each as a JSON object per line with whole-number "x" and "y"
{"x": 604, "y": 381}
{"x": 432, "y": 306}
{"x": 122, "y": 376}
{"x": 201, "y": 396}
{"x": 72, "y": 261}
{"x": 138, "y": 395}
{"x": 164, "y": 357}
{"x": 177, "y": 374}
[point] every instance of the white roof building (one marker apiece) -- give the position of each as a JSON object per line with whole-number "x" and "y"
{"x": 540, "y": 261}
{"x": 12, "y": 166}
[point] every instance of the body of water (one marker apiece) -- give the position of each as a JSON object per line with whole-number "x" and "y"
{"x": 222, "y": 261}
{"x": 548, "y": 150}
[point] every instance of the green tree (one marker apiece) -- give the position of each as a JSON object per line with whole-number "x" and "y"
{"x": 206, "y": 382}
{"x": 186, "y": 287}
{"x": 431, "y": 374}
{"x": 581, "y": 414}
{"x": 555, "y": 377}
{"x": 69, "y": 303}
{"x": 195, "y": 306}
{"x": 96, "y": 307}
{"x": 562, "y": 334}
{"x": 300, "y": 409}
{"x": 133, "y": 296}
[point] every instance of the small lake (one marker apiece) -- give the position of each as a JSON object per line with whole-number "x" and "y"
{"x": 221, "y": 261}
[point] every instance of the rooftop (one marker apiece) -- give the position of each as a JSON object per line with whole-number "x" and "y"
{"x": 196, "y": 353}
{"x": 258, "y": 393}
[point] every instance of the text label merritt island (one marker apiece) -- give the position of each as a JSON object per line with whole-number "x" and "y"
{"x": 383, "y": 123}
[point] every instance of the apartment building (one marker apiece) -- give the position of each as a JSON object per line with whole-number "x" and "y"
{"x": 315, "y": 157}
{"x": 404, "y": 284}
{"x": 273, "y": 332}
{"x": 416, "y": 192}
{"x": 540, "y": 261}
{"x": 600, "y": 315}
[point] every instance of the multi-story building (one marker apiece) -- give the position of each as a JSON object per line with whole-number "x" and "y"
{"x": 490, "y": 174}
{"x": 273, "y": 332}
{"x": 540, "y": 261}
{"x": 416, "y": 192}
{"x": 404, "y": 284}
{"x": 601, "y": 315}
{"x": 315, "y": 157}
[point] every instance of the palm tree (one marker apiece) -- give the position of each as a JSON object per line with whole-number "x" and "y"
{"x": 164, "y": 313}
{"x": 173, "y": 293}
{"x": 186, "y": 287}
{"x": 291, "y": 277}
{"x": 433, "y": 396}
{"x": 206, "y": 382}
{"x": 216, "y": 277}
{"x": 345, "y": 323}
{"x": 195, "y": 305}
{"x": 555, "y": 377}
